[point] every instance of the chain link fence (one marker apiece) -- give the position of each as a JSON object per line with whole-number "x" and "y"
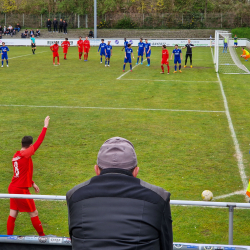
{"x": 140, "y": 20}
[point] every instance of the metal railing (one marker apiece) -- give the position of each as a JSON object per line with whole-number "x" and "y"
{"x": 230, "y": 205}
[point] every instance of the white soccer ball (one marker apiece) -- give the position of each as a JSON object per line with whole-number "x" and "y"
{"x": 207, "y": 195}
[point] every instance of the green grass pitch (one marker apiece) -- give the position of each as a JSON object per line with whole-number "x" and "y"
{"x": 177, "y": 123}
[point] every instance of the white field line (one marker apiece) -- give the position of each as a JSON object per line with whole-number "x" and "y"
{"x": 162, "y": 80}
{"x": 111, "y": 108}
{"x": 239, "y": 155}
{"x": 128, "y": 71}
{"x": 27, "y": 55}
{"x": 241, "y": 192}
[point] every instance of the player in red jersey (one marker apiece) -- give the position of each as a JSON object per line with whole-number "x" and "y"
{"x": 80, "y": 47}
{"x": 165, "y": 56}
{"x": 22, "y": 181}
{"x": 54, "y": 48}
{"x": 86, "y": 45}
{"x": 65, "y": 44}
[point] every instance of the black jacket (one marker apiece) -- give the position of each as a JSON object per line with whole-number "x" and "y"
{"x": 65, "y": 24}
{"x": 116, "y": 211}
{"x": 55, "y": 22}
{"x": 61, "y": 24}
{"x": 48, "y": 23}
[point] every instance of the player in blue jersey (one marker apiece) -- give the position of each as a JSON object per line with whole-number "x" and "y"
{"x": 147, "y": 47}
{"x": 140, "y": 51}
{"x": 102, "y": 48}
{"x": 108, "y": 53}
{"x": 177, "y": 58}
{"x": 4, "y": 49}
{"x": 125, "y": 44}
{"x": 128, "y": 59}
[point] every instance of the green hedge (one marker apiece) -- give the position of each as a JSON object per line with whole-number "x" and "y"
{"x": 241, "y": 32}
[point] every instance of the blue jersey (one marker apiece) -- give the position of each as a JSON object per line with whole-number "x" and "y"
{"x": 147, "y": 45}
{"x": 141, "y": 47}
{"x": 125, "y": 44}
{"x": 177, "y": 53}
{"x": 128, "y": 52}
{"x": 102, "y": 47}
{"x": 4, "y": 50}
{"x": 108, "y": 49}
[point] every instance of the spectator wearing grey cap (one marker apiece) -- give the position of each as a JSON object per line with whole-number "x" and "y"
{"x": 116, "y": 211}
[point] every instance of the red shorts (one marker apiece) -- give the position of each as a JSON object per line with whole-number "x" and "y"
{"x": 164, "y": 62}
{"x": 55, "y": 54}
{"x": 22, "y": 205}
{"x": 80, "y": 50}
{"x": 86, "y": 50}
{"x": 65, "y": 51}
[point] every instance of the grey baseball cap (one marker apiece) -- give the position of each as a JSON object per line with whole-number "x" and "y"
{"x": 117, "y": 152}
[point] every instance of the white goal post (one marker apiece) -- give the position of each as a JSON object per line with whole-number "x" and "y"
{"x": 226, "y": 59}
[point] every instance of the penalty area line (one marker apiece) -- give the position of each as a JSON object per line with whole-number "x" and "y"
{"x": 128, "y": 71}
{"x": 162, "y": 80}
{"x": 112, "y": 108}
{"x": 241, "y": 192}
{"x": 27, "y": 55}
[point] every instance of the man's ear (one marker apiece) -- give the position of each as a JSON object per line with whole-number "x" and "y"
{"x": 97, "y": 170}
{"x": 136, "y": 171}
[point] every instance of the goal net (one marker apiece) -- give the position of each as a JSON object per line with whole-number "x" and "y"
{"x": 226, "y": 59}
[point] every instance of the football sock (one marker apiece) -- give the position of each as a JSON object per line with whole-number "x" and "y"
{"x": 105, "y": 62}
{"x": 64, "y": 56}
{"x": 7, "y": 61}
{"x": 37, "y": 225}
{"x": 162, "y": 68}
{"x": 101, "y": 59}
{"x": 148, "y": 61}
{"x": 141, "y": 59}
{"x": 179, "y": 66}
{"x": 175, "y": 67}
{"x": 124, "y": 65}
{"x": 10, "y": 225}
{"x": 2, "y": 62}
{"x": 130, "y": 66}
{"x": 34, "y": 51}
{"x": 168, "y": 68}
{"x": 53, "y": 59}
{"x": 137, "y": 59}
{"x": 108, "y": 62}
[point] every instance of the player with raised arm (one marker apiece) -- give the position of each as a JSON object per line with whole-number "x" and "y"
{"x": 125, "y": 44}
{"x": 86, "y": 45}
{"x": 23, "y": 180}
{"x": 102, "y": 48}
{"x": 80, "y": 47}
{"x": 54, "y": 48}
{"x": 225, "y": 45}
{"x": 65, "y": 44}
{"x": 235, "y": 41}
{"x": 245, "y": 54}
{"x": 177, "y": 58}
{"x": 165, "y": 57}
{"x": 128, "y": 59}
{"x": 33, "y": 44}
{"x": 140, "y": 51}
{"x": 4, "y": 49}
{"x": 189, "y": 47}
{"x": 108, "y": 53}
{"x": 147, "y": 47}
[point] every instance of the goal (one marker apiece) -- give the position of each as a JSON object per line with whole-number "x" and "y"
{"x": 227, "y": 60}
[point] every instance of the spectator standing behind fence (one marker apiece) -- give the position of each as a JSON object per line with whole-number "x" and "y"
{"x": 55, "y": 23}
{"x": 60, "y": 25}
{"x": 65, "y": 25}
{"x": 48, "y": 24}
{"x": 116, "y": 211}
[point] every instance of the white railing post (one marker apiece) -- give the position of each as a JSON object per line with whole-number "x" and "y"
{"x": 231, "y": 228}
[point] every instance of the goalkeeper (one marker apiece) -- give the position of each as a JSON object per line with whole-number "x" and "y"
{"x": 245, "y": 54}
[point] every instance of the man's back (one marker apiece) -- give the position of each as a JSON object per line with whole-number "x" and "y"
{"x": 117, "y": 211}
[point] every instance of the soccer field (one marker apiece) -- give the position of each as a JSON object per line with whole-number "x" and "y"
{"x": 178, "y": 124}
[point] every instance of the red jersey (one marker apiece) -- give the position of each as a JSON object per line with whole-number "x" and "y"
{"x": 23, "y": 165}
{"x": 65, "y": 44}
{"x": 165, "y": 54}
{"x": 54, "y": 48}
{"x": 86, "y": 44}
{"x": 80, "y": 44}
